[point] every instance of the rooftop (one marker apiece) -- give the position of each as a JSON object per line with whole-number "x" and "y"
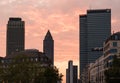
{"x": 115, "y": 36}
{"x": 14, "y": 19}
{"x": 99, "y": 11}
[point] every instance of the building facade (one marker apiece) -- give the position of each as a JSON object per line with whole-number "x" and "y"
{"x": 48, "y": 46}
{"x": 111, "y": 48}
{"x": 71, "y": 73}
{"x": 96, "y": 71}
{"x": 15, "y": 36}
{"x": 95, "y": 28}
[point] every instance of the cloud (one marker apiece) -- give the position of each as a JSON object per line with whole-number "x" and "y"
{"x": 61, "y": 17}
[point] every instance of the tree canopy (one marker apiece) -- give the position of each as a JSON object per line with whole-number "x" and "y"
{"x": 112, "y": 75}
{"x": 20, "y": 70}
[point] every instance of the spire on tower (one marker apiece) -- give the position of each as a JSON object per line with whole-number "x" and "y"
{"x": 48, "y": 36}
{"x": 48, "y": 46}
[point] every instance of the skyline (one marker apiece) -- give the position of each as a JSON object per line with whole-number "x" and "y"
{"x": 62, "y": 21}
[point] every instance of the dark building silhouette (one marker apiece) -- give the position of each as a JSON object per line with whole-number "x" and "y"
{"x": 95, "y": 28}
{"x": 48, "y": 46}
{"x": 67, "y": 76}
{"x": 30, "y": 59}
{"x": 15, "y": 36}
{"x": 71, "y": 73}
{"x": 75, "y": 74}
{"x": 32, "y": 55}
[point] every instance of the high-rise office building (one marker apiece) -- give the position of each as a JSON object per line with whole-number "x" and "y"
{"x": 71, "y": 73}
{"x": 15, "y": 36}
{"x": 48, "y": 46}
{"x": 95, "y": 28}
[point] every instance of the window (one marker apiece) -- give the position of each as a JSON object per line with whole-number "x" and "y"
{"x": 116, "y": 37}
{"x": 110, "y": 57}
{"x": 113, "y": 51}
{"x": 114, "y": 44}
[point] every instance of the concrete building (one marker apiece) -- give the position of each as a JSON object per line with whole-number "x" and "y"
{"x": 111, "y": 49}
{"x": 96, "y": 71}
{"x": 71, "y": 73}
{"x": 15, "y": 36}
{"x": 95, "y": 28}
{"x": 48, "y": 46}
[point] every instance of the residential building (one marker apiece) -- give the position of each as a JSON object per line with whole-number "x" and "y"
{"x": 15, "y": 36}
{"x": 96, "y": 71}
{"x": 111, "y": 48}
{"x": 95, "y": 28}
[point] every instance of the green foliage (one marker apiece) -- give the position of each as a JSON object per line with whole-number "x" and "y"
{"x": 20, "y": 70}
{"x": 112, "y": 75}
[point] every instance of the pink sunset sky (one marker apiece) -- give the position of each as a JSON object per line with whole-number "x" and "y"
{"x": 61, "y": 17}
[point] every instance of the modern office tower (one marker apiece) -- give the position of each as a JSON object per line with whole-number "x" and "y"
{"x": 95, "y": 27}
{"x": 71, "y": 73}
{"x": 15, "y": 36}
{"x": 48, "y": 46}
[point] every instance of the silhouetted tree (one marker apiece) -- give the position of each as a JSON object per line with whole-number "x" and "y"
{"x": 112, "y": 75}
{"x": 21, "y": 70}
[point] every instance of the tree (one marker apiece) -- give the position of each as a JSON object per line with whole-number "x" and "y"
{"x": 112, "y": 75}
{"x": 21, "y": 70}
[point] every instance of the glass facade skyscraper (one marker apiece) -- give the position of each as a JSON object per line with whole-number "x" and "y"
{"x": 95, "y": 28}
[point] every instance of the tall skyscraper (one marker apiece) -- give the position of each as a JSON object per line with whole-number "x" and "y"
{"x": 71, "y": 73}
{"x": 15, "y": 36}
{"x": 95, "y": 28}
{"x": 48, "y": 46}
